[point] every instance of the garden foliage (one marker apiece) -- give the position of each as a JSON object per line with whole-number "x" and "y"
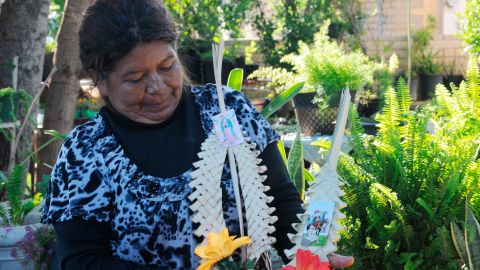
{"x": 467, "y": 240}
{"x": 15, "y": 209}
{"x": 298, "y": 20}
{"x": 35, "y": 250}
{"x": 404, "y": 186}
{"x": 423, "y": 55}
{"x": 54, "y": 20}
{"x": 203, "y": 19}
{"x": 328, "y": 68}
{"x": 470, "y": 33}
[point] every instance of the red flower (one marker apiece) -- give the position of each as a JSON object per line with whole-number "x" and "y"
{"x": 305, "y": 260}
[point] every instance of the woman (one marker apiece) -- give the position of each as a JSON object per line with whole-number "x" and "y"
{"x": 118, "y": 192}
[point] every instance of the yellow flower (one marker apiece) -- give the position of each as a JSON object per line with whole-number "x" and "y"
{"x": 220, "y": 246}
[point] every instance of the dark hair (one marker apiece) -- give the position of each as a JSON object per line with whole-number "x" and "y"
{"x": 111, "y": 29}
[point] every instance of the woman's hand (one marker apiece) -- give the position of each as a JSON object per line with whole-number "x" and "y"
{"x": 339, "y": 261}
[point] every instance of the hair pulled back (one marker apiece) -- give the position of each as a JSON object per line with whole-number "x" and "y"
{"x": 111, "y": 29}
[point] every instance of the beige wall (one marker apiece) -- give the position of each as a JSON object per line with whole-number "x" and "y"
{"x": 387, "y": 27}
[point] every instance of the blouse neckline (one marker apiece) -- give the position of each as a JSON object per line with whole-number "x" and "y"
{"x": 128, "y": 160}
{"x": 124, "y": 120}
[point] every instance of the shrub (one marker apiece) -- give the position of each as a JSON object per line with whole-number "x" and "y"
{"x": 405, "y": 186}
{"x": 328, "y": 68}
{"x": 470, "y": 33}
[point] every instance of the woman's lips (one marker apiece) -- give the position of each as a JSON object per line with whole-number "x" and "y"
{"x": 159, "y": 105}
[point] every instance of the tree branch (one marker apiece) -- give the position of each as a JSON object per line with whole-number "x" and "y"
{"x": 24, "y": 124}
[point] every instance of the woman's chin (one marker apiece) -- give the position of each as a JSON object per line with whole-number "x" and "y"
{"x": 157, "y": 116}
{"x": 157, "y": 113}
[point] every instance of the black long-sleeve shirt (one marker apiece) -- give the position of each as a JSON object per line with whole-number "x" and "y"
{"x": 86, "y": 244}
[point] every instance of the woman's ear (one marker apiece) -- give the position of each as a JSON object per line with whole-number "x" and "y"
{"x": 102, "y": 88}
{"x": 94, "y": 75}
{"x": 98, "y": 82}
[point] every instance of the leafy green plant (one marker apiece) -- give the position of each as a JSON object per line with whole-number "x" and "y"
{"x": 384, "y": 77}
{"x": 282, "y": 99}
{"x": 297, "y": 21}
{"x": 328, "y": 68}
{"x": 463, "y": 101}
{"x": 404, "y": 187}
{"x": 250, "y": 50}
{"x": 423, "y": 56}
{"x": 9, "y": 98}
{"x": 470, "y": 33}
{"x": 202, "y": 19}
{"x": 266, "y": 27}
{"x": 54, "y": 20}
{"x": 296, "y": 165}
{"x": 231, "y": 265}
{"x": 457, "y": 122}
{"x": 15, "y": 209}
{"x": 467, "y": 241}
{"x": 235, "y": 79}
{"x": 277, "y": 78}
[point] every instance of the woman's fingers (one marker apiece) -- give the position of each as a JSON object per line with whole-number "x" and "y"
{"x": 339, "y": 261}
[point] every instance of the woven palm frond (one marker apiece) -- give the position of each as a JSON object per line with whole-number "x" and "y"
{"x": 326, "y": 188}
{"x": 257, "y": 212}
{"x": 247, "y": 181}
{"x": 206, "y": 197}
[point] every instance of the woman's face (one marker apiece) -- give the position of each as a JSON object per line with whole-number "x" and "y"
{"x": 145, "y": 85}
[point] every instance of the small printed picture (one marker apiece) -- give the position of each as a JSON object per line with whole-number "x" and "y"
{"x": 227, "y": 128}
{"x": 319, "y": 216}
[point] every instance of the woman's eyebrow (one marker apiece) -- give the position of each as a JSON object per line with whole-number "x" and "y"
{"x": 130, "y": 72}
{"x": 169, "y": 56}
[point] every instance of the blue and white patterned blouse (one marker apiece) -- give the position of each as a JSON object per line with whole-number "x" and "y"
{"x": 93, "y": 179}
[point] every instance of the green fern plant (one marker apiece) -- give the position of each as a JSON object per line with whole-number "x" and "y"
{"x": 405, "y": 186}
{"x": 15, "y": 208}
{"x": 459, "y": 111}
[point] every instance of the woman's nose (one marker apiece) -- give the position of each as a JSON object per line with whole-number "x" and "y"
{"x": 155, "y": 84}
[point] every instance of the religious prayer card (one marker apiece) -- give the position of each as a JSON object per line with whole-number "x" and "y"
{"x": 319, "y": 216}
{"x": 227, "y": 128}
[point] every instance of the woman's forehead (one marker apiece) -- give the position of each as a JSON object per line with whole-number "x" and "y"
{"x": 145, "y": 54}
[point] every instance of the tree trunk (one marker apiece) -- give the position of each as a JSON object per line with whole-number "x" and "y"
{"x": 23, "y": 30}
{"x": 61, "y": 97}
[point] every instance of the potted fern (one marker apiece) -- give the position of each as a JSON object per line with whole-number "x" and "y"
{"x": 15, "y": 226}
{"x": 327, "y": 68}
{"x": 405, "y": 186}
{"x": 15, "y": 209}
{"x": 12, "y": 214}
